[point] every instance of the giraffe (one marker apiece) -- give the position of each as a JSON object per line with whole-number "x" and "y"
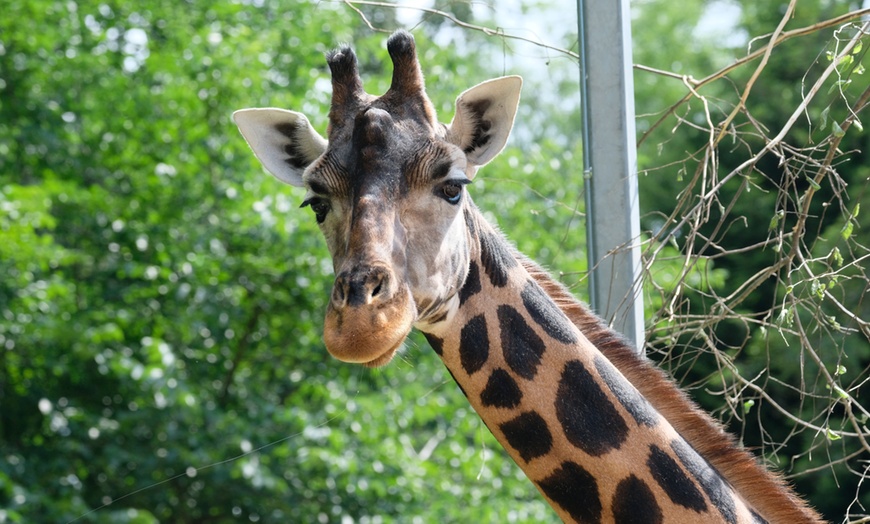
{"x": 604, "y": 435}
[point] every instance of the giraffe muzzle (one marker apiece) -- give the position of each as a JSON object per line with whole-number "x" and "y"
{"x": 368, "y": 316}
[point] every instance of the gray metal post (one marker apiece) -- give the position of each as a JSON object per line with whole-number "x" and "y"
{"x": 610, "y": 165}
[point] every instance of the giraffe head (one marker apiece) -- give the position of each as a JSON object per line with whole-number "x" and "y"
{"x": 387, "y": 188}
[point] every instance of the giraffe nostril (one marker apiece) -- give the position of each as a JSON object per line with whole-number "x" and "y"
{"x": 361, "y": 285}
{"x": 338, "y": 291}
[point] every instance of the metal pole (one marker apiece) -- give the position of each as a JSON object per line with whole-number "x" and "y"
{"x": 610, "y": 165}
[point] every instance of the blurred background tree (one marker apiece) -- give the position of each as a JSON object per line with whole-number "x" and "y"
{"x": 161, "y": 297}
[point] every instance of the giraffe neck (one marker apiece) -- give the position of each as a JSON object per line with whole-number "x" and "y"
{"x": 594, "y": 446}
{"x": 767, "y": 492}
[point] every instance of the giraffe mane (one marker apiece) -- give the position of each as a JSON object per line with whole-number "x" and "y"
{"x": 768, "y": 492}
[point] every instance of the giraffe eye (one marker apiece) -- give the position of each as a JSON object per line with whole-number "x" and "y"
{"x": 320, "y": 206}
{"x": 452, "y": 192}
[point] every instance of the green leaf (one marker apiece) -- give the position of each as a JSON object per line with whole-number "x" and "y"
{"x": 841, "y": 370}
{"x": 747, "y": 406}
{"x": 817, "y": 288}
{"x": 774, "y": 220}
{"x": 836, "y": 257}
{"x": 846, "y": 232}
{"x": 815, "y": 185}
{"x": 839, "y": 86}
{"x": 824, "y": 117}
{"x": 831, "y": 435}
{"x": 837, "y": 130}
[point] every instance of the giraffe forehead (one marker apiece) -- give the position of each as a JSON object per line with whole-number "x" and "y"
{"x": 381, "y": 152}
{"x": 380, "y": 142}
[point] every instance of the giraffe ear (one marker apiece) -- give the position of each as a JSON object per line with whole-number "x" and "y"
{"x": 484, "y": 118}
{"x": 284, "y": 141}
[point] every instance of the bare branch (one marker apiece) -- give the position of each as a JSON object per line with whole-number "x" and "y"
{"x": 460, "y": 23}
{"x": 718, "y": 75}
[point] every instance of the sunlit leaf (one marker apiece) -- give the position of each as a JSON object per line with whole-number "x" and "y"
{"x": 774, "y": 220}
{"x": 836, "y": 257}
{"x": 846, "y": 232}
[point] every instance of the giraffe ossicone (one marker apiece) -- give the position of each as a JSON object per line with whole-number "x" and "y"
{"x": 602, "y": 434}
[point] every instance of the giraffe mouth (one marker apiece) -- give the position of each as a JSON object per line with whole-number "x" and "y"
{"x": 368, "y": 334}
{"x": 384, "y": 359}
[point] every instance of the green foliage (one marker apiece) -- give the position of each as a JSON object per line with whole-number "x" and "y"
{"x": 161, "y": 297}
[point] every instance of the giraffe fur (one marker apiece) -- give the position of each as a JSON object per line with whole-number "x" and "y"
{"x": 763, "y": 489}
{"x": 569, "y": 418}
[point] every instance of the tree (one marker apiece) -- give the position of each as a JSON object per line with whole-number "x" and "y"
{"x": 755, "y": 182}
{"x": 160, "y": 297}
